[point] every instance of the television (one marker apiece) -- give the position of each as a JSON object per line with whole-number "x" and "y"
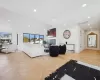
{"x": 51, "y": 32}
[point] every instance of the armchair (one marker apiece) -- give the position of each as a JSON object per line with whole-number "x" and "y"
{"x": 54, "y": 51}
{"x": 62, "y": 49}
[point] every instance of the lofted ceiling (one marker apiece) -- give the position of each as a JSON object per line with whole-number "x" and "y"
{"x": 57, "y": 12}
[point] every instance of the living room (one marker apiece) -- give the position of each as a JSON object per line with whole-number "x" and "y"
{"x": 33, "y": 39}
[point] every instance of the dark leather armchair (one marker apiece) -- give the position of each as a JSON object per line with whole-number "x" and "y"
{"x": 54, "y": 51}
{"x": 62, "y": 49}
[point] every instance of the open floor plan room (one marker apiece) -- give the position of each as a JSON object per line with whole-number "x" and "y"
{"x": 49, "y": 40}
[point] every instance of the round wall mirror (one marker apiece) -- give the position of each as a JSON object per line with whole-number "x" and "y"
{"x": 66, "y": 34}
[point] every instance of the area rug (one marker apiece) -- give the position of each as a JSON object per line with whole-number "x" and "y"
{"x": 75, "y": 70}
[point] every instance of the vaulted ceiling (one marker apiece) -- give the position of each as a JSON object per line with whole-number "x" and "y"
{"x": 58, "y": 12}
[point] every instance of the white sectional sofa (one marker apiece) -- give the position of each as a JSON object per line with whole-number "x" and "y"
{"x": 33, "y": 50}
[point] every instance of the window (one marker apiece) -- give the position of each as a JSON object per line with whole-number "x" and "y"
{"x": 41, "y": 38}
{"x": 37, "y": 38}
{"x": 32, "y": 38}
{"x": 26, "y": 37}
{"x": 5, "y": 37}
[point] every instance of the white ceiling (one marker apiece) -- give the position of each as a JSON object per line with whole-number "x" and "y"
{"x": 57, "y": 12}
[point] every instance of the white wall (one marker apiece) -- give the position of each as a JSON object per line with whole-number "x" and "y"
{"x": 74, "y": 39}
{"x": 18, "y": 24}
{"x": 5, "y": 27}
{"x": 82, "y": 39}
{"x": 36, "y": 28}
{"x": 98, "y": 39}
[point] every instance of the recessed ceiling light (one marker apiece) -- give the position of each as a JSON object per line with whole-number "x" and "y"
{"x": 29, "y": 25}
{"x": 64, "y": 24}
{"x": 84, "y": 5}
{"x": 35, "y": 10}
{"x": 89, "y": 17}
{"x": 9, "y": 20}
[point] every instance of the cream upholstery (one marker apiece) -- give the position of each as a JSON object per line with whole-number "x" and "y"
{"x": 9, "y": 48}
{"x": 34, "y": 50}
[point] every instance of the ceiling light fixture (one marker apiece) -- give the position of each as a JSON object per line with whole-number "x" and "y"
{"x": 29, "y": 25}
{"x": 35, "y": 10}
{"x": 9, "y": 20}
{"x": 89, "y": 17}
{"x": 64, "y": 24}
{"x": 84, "y": 5}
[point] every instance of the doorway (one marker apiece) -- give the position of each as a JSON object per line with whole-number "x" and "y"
{"x": 92, "y": 40}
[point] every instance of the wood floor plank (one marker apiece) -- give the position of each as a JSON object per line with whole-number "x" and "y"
{"x": 18, "y": 66}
